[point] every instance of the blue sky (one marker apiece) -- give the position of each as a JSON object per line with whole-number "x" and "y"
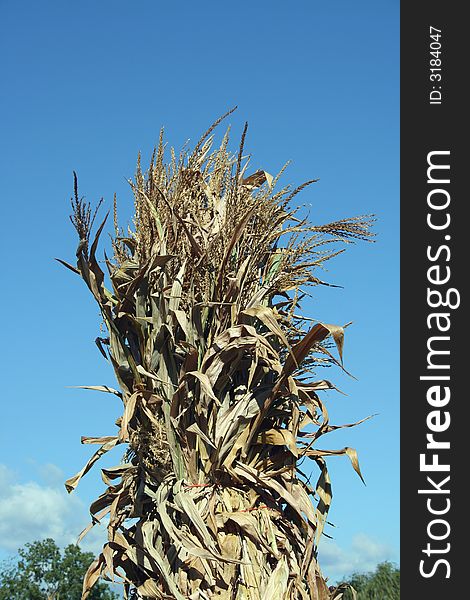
{"x": 85, "y": 87}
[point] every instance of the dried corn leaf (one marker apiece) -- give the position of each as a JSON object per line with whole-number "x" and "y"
{"x": 214, "y": 367}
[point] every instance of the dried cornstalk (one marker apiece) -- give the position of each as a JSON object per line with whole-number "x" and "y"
{"x": 214, "y": 365}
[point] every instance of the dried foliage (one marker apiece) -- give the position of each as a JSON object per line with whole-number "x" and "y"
{"x": 214, "y": 363}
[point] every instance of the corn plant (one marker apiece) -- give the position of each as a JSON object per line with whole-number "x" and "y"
{"x": 216, "y": 370}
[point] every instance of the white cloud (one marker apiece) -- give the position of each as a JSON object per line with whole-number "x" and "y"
{"x": 6, "y": 477}
{"x": 363, "y": 555}
{"x": 51, "y": 474}
{"x": 31, "y": 511}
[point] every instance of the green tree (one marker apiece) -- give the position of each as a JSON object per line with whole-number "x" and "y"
{"x": 381, "y": 584}
{"x": 42, "y": 572}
